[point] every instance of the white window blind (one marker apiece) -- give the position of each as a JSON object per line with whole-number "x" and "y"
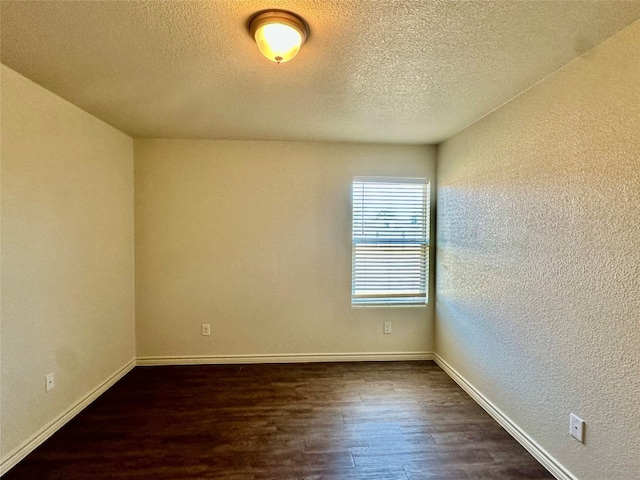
{"x": 390, "y": 241}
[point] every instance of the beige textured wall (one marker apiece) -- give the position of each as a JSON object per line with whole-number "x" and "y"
{"x": 67, "y": 256}
{"x": 255, "y": 239}
{"x": 538, "y": 271}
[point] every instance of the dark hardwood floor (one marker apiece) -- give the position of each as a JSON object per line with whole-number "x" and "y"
{"x": 331, "y": 421}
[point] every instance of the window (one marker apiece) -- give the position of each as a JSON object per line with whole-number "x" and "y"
{"x": 390, "y": 251}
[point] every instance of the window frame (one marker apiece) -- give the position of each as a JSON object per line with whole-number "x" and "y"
{"x": 409, "y": 273}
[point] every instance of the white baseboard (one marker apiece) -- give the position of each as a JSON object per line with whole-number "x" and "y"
{"x": 284, "y": 358}
{"x": 539, "y": 453}
{"x": 52, "y": 427}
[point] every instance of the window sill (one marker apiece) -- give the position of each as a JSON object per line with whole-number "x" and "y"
{"x": 422, "y": 305}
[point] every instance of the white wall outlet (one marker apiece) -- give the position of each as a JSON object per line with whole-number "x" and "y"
{"x": 50, "y": 382}
{"x": 576, "y": 426}
{"x": 387, "y": 327}
{"x": 206, "y": 329}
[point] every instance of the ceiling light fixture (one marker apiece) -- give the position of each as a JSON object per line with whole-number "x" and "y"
{"x": 278, "y": 33}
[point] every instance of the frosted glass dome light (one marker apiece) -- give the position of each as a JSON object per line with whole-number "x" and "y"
{"x": 279, "y": 34}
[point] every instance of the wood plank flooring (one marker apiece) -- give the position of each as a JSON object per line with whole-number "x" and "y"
{"x": 332, "y": 421}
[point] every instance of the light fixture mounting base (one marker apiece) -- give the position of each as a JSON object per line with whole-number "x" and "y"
{"x": 278, "y": 16}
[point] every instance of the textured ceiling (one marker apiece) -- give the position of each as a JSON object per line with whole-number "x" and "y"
{"x": 371, "y": 70}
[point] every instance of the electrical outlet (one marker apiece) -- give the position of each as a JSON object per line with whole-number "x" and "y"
{"x": 387, "y": 327}
{"x": 49, "y": 382}
{"x": 576, "y": 426}
{"x": 206, "y": 329}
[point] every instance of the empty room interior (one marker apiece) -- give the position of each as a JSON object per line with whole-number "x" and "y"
{"x": 184, "y": 219}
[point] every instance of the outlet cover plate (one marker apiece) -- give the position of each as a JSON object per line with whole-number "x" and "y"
{"x": 576, "y": 426}
{"x": 50, "y": 382}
